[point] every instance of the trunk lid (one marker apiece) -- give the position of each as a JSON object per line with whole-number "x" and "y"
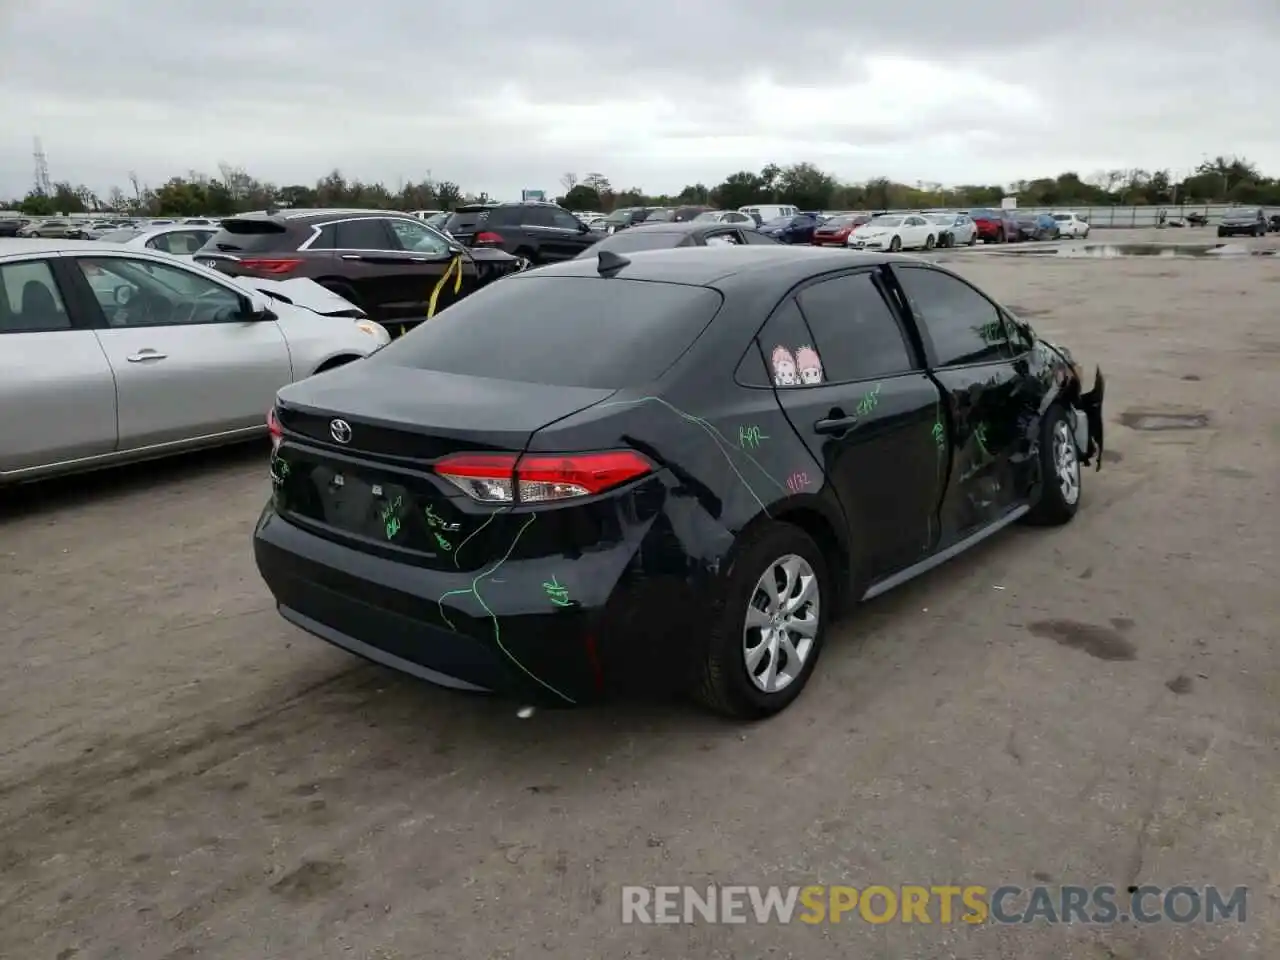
{"x": 377, "y": 491}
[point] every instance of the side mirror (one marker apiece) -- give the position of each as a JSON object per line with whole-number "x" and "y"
{"x": 122, "y": 294}
{"x": 583, "y": 228}
{"x": 257, "y": 306}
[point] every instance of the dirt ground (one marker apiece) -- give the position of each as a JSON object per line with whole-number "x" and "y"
{"x": 184, "y": 775}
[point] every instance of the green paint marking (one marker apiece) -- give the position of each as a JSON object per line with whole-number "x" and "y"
{"x": 474, "y": 590}
{"x": 390, "y": 522}
{"x": 750, "y": 437}
{"x": 870, "y": 400}
{"x": 443, "y": 543}
{"x": 557, "y": 592}
{"x": 722, "y": 443}
{"x": 467, "y": 539}
{"x": 980, "y": 434}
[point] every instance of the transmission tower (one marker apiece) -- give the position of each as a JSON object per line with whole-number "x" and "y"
{"x": 43, "y": 186}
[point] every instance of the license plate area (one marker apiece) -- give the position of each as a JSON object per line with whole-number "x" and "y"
{"x": 399, "y": 511}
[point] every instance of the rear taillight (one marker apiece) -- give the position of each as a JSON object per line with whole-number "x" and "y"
{"x": 274, "y": 265}
{"x": 540, "y": 478}
{"x": 486, "y": 236}
{"x": 273, "y": 427}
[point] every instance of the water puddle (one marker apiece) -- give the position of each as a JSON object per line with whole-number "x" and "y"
{"x": 1141, "y": 420}
{"x": 1122, "y": 251}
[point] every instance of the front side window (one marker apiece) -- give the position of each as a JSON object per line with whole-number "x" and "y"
{"x": 564, "y": 220}
{"x": 417, "y": 238}
{"x": 963, "y": 326}
{"x": 143, "y": 293}
{"x": 31, "y": 301}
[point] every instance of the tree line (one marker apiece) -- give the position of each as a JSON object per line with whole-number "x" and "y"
{"x": 804, "y": 185}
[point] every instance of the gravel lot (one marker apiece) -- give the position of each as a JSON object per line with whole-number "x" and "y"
{"x": 184, "y": 775}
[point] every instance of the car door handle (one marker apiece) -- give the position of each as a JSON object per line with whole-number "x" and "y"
{"x": 144, "y": 355}
{"x": 352, "y": 256}
{"x": 835, "y": 422}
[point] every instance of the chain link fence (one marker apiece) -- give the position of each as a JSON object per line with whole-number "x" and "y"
{"x": 1131, "y": 218}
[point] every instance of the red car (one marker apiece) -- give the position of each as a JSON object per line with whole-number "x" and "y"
{"x": 835, "y": 232}
{"x": 996, "y": 226}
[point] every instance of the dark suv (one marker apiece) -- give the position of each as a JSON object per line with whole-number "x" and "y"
{"x": 388, "y": 264}
{"x": 537, "y": 232}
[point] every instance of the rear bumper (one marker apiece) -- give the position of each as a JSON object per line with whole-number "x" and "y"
{"x": 493, "y": 633}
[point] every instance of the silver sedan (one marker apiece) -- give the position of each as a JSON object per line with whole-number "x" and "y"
{"x": 111, "y": 353}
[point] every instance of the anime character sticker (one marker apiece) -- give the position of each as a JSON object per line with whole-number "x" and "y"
{"x": 784, "y": 367}
{"x": 809, "y": 364}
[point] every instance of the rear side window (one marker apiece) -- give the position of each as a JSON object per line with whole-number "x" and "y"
{"x": 857, "y": 336}
{"x": 511, "y": 217}
{"x": 562, "y": 331}
{"x": 784, "y": 341}
{"x": 248, "y": 236}
{"x": 369, "y": 234}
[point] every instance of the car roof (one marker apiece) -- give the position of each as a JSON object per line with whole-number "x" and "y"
{"x": 678, "y": 226}
{"x": 784, "y": 265}
{"x": 297, "y": 215}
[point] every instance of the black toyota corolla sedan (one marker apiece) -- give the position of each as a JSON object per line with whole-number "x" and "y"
{"x": 667, "y": 470}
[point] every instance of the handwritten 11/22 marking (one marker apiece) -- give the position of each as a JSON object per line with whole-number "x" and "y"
{"x": 750, "y": 437}
{"x": 939, "y": 435}
{"x": 798, "y": 481}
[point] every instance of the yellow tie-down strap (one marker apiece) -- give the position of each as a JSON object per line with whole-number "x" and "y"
{"x": 454, "y": 271}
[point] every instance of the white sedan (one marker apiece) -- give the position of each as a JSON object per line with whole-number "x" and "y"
{"x": 895, "y": 232}
{"x": 116, "y": 353}
{"x": 1070, "y": 225}
{"x": 180, "y": 239}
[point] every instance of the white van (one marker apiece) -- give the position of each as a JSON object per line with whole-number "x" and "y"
{"x": 769, "y": 211}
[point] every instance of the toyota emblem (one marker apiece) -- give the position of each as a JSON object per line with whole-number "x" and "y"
{"x": 340, "y": 430}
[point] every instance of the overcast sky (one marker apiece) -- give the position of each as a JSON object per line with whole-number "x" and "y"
{"x": 500, "y": 95}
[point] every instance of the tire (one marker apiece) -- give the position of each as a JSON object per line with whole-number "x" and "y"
{"x": 1058, "y": 459}
{"x": 929, "y": 242}
{"x": 973, "y": 239}
{"x": 1221, "y": 232}
{"x": 334, "y": 362}
{"x": 895, "y": 244}
{"x": 724, "y": 680}
{"x": 534, "y": 260}
{"x": 1259, "y": 232}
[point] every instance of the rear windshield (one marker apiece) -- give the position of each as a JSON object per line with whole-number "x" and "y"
{"x": 631, "y": 240}
{"x": 606, "y": 334}
{"x": 247, "y": 236}
{"x": 465, "y": 221}
{"x": 119, "y": 236}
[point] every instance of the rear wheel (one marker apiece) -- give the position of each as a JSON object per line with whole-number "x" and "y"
{"x": 973, "y": 238}
{"x": 928, "y": 242}
{"x": 1059, "y": 471}
{"x": 768, "y": 627}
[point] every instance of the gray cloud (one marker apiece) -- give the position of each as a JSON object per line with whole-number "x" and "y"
{"x": 499, "y": 96}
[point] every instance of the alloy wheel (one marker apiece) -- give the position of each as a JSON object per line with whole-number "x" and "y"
{"x": 1066, "y": 462}
{"x": 781, "y": 623}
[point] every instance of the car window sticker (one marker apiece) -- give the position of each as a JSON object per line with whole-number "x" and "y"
{"x": 809, "y": 364}
{"x": 784, "y": 367}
